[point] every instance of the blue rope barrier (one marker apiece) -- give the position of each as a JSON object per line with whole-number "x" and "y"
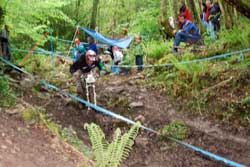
{"x": 190, "y": 61}
{"x": 42, "y": 51}
{"x": 117, "y": 116}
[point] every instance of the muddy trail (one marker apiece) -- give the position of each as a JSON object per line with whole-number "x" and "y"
{"x": 130, "y": 97}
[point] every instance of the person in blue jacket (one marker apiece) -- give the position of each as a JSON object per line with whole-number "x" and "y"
{"x": 92, "y": 45}
{"x": 188, "y": 32}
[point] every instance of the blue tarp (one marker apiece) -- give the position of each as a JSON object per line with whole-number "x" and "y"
{"x": 121, "y": 43}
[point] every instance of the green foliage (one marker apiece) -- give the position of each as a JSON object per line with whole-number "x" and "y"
{"x": 156, "y": 49}
{"x": 145, "y": 23}
{"x": 39, "y": 64}
{"x": 30, "y": 19}
{"x": 7, "y": 97}
{"x": 246, "y": 100}
{"x": 182, "y": 77}
{"x": 176, "y": 129}
{"x": 111, "y": 154}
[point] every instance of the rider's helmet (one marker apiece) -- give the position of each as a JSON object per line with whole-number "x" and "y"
{"x": 91, "y": 56}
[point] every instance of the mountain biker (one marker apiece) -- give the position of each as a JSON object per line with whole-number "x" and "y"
{"x": 84, "y": 65}
{"x": 87, "y": 62}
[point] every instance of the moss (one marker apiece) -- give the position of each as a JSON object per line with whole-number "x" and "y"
{"x": 176, "y": 129}
{"x": 30, "y": 116}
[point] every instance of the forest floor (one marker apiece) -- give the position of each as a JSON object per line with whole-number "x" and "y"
{"x": 131, "y": 97}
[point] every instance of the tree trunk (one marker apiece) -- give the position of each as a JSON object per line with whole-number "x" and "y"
{"x": 240, "y": 6}
{"x": 195, "y": 13}
{"x": 175, "y": 10}
{"x": 228, "y": 16}
{"x": 223, "y": 13}
{"x": 168, "y": 30}
{"x": 78, "y": 4}
{"x": 94, "y": 14}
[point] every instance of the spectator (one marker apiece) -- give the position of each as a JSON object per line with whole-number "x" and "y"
{"x": 5, "y": 43}
{"x": 204, "y": 13}
{"x": 78, "y": 49}
{"x": 117, "y": 59}
{"x": 214, "y": 15}
{"x": 126, "y": 61}
{"x": 212, "y": 21}
{"x": 189, "y": 32}
{"x": 138, "y": 52}
{"x": 92, "y": 45}
{"x": 184, "y": 11}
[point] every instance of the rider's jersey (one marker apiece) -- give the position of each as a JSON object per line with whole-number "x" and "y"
{"x": 82, "y": 65}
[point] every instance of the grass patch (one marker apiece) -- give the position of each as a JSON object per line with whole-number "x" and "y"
{"x": 176, "y": 129}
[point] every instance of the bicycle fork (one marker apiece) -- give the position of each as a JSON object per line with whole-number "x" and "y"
{"x": 88, "y": 87}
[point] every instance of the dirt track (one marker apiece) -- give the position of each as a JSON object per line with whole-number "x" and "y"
{"x": 23, "y": 145}
{"x": 156, "y": 112}
{"x": 117, "y": 93}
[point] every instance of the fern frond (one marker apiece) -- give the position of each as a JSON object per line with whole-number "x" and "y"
{"x": 111, "y": 155}
{"x": 112, "y": 148}
{"x": 98, "y": 142}
{"x": 124, "y": 146}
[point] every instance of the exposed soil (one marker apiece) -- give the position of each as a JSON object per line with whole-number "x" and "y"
{"x": 117, "y": 94}
{"x": 23, "y": 145}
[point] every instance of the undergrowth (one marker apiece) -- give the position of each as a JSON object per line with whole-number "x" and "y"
{"x": 196, "y": 86}
{"x": 7, "y": 96}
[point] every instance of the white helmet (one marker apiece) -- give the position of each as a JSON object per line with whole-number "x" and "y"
{"x": 91, "y": 55}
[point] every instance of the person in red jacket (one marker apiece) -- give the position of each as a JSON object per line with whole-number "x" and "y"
{"x": 184, "y": 11}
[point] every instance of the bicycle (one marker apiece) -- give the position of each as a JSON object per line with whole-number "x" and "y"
{"x": 88, "y": 87}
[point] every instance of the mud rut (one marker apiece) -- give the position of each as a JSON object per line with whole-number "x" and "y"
{"x": 157, "y": 111}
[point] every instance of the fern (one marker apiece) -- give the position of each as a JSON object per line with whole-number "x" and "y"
{"x": 111, "y": 154}
{"x": 98, "y": 142}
